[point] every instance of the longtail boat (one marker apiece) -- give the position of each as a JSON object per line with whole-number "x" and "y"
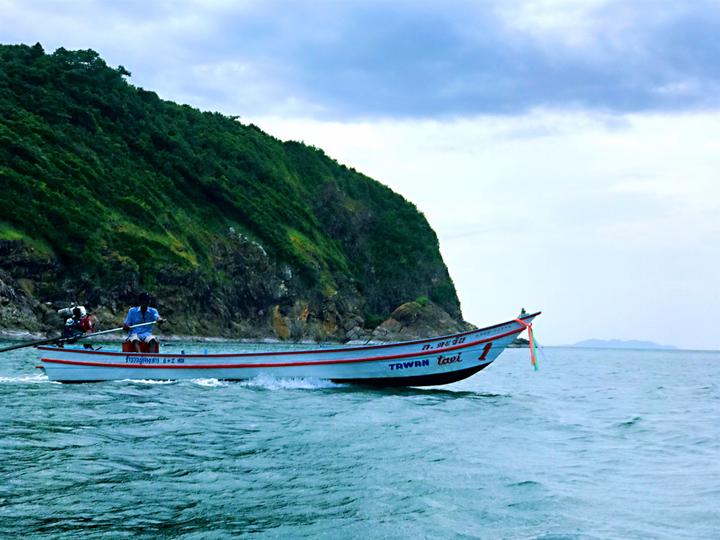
{"x": 424, "y": 362}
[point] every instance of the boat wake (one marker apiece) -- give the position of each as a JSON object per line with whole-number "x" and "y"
{"x": 37, "y": 378}
{"x": 268, "y": 382}
{"x": 209, "y": 382}
{"x": 147, "y": 381}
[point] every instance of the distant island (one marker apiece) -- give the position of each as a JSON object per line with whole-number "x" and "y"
{"x": 620, "y": 344}
{"x": 519, "y": 343}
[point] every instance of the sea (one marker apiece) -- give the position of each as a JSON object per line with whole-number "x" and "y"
{"x": 617, "y": 444}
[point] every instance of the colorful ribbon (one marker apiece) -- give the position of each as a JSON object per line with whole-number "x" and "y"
{"x": 533, "y": 355}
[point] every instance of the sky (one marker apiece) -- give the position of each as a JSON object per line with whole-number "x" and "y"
{"x": 565, "y": 152}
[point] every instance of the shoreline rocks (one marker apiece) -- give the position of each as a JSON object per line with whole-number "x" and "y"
{"x": 410, "y": 321}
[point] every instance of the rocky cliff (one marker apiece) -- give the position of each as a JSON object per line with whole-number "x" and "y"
{"x": 108, "y": 190}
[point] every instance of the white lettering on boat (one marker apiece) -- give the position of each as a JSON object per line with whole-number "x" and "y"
{"x": 407, "y": 365}
{"x": 151, "y": 360}
{"x": 444, "y": 344}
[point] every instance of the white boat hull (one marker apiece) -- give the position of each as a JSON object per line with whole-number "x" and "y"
{"x": 433, "y": 361}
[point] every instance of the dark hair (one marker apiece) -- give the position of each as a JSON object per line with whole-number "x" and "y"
{"x": 76, "y": 312}
{"x": 143, "y": 298}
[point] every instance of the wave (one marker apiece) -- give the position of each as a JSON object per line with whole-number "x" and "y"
{"x": 148, "y": 381}
{"x": 269, "y": 382}
{"x": 526, "y": 484}
{"x": 209, "y": 382}
{"x": 37, "y": 378}
{"x": 563, "y": 536}
{"x": 266, "y": 382}
{"x": 628, "y": 423}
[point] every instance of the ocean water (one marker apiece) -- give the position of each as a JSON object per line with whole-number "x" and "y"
{"x": 596, "y": 444}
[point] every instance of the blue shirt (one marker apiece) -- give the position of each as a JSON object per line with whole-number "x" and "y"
{"x": 135, "y": 316}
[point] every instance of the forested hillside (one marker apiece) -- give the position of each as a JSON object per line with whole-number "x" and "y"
{"x": 108, "y": 190}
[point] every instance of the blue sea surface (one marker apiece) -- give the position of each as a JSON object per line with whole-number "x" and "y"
{"x": 596, "y": 444}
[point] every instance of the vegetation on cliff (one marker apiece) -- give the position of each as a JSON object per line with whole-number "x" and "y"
{"x": 108, "y": 189}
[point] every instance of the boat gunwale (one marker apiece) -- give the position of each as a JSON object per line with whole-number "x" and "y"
{"x": 281, "y": 364}
{"x": 309, "y": 351}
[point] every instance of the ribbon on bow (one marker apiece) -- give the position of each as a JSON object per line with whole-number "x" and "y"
{"x": 533, "y": 355}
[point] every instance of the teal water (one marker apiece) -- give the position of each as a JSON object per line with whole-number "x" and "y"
{"x": 596, "y": 444}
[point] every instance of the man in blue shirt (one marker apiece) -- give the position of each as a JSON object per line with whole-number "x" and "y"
{"x": 138, "y": 315}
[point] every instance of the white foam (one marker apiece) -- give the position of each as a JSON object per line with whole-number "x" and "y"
{"x": 270, "y": 382}
{"x": 265, "y": 381}
{"x": 209, "y": 382}
{"x": 148, "y": 381}
{"x": 37, "y": 378}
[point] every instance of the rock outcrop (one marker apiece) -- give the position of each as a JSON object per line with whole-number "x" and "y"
{"x": 417, "y": 320}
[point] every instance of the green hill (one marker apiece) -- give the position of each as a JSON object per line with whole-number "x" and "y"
{"x": 108, "y": 189}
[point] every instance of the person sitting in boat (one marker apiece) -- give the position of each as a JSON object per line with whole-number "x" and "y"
{"x": 77, "y": 325}
{"x": 139, "y": 314}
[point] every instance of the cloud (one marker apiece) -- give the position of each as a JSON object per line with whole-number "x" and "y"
{"x": 372, "y": 59}
{"x": 611, "y": 227}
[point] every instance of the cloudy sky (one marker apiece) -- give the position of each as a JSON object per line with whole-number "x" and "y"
{"x": 566, "y": 152}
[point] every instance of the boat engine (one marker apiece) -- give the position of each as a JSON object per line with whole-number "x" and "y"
{"x": 68, "y": 311}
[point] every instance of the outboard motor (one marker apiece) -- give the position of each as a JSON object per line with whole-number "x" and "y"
{"x": 77, "y": 322}
{"x": 68, "y": 311}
